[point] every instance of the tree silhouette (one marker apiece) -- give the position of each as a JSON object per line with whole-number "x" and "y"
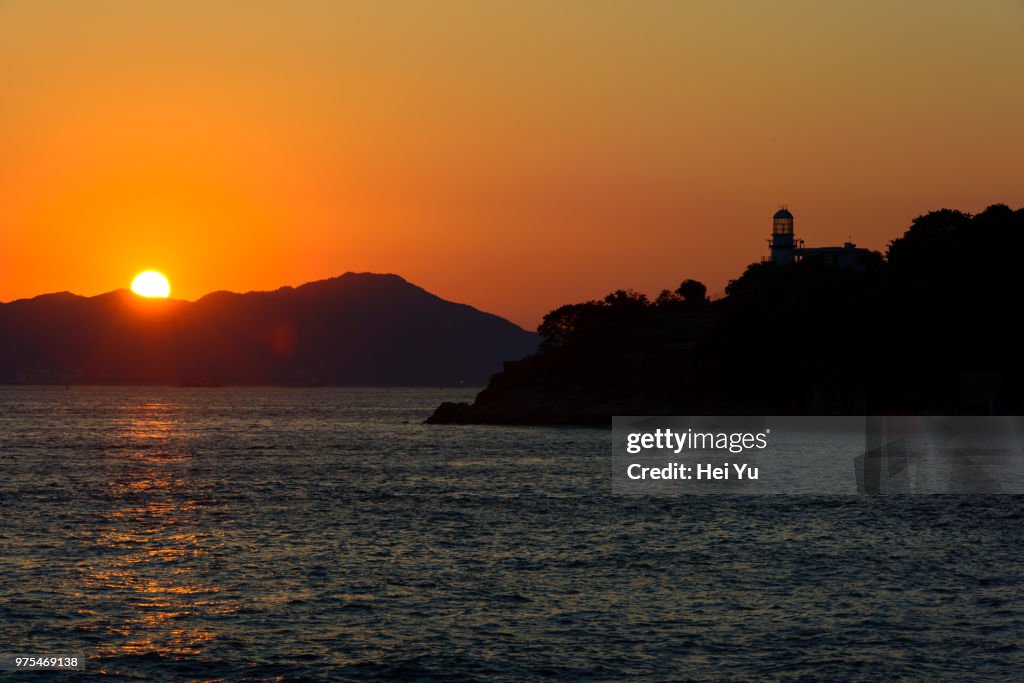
{"x": 693, "y": 292}
{"x": 943, "y": 307}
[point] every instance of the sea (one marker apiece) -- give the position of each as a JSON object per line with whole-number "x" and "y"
{"x": 290, "y": 534}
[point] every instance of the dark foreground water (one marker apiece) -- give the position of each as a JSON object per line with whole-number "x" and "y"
{"x": 297, "y": 534}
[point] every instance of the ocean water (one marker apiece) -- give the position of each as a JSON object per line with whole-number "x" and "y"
{"x": 326, "y": 534}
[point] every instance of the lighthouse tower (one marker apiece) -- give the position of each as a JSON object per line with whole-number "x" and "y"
{"x": 782, "y": 243}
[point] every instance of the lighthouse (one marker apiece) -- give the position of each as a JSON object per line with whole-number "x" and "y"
{"x": 782, "y": 243}
{"x": 787, "y": 249}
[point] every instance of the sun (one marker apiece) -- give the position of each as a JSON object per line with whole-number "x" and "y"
{"x": 151, "y": 284}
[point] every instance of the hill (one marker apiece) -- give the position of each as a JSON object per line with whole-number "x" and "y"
{"x": 356, "y": 329}
{"x": 932, "y": 327}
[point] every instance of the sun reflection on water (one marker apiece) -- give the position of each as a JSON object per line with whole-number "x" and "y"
{"x": 152, "y": 542}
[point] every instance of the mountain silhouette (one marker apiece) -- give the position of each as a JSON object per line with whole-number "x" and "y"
{"x": 356, "y": 329}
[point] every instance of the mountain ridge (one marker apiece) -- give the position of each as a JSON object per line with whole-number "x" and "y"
{"x": 355, "y": 328}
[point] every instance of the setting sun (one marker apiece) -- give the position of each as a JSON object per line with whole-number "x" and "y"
{"x": 151, "y": 284}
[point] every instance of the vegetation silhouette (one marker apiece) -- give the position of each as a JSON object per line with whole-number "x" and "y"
{"x": 933, "y": 327}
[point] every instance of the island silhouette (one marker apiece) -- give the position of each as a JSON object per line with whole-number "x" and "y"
{"x": 356, "y": 329}
{"x": 933, "y": 326}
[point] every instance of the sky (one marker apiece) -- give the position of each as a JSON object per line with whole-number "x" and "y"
{"x": 514, "y": 156}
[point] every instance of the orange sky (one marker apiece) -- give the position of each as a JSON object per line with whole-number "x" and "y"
{"x": 514, "y": 156}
